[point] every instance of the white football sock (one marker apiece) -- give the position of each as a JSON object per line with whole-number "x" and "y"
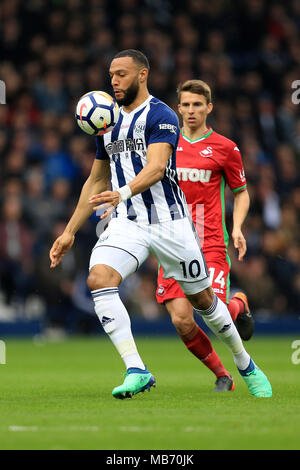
{"x": 218, "y": 319}
{"x": 116, "y": 323}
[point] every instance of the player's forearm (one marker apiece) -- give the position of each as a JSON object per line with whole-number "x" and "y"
{"x": 240, "y": 208}
{"x": 84, "y": 209}
{"x": 149, "y": 175}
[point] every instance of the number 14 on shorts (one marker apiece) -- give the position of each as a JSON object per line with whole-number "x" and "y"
{"x": 217, "y": 278}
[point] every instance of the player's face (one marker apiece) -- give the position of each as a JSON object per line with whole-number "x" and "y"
{"x": 124, "y": 76}
{"x": 194, "y": 109}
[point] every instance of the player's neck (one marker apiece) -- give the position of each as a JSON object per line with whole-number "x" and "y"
{"x": 195, "y": 133}
{"x": 141, "y": 97}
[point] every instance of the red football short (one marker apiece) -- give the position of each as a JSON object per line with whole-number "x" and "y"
{"x": 219, "y": 274}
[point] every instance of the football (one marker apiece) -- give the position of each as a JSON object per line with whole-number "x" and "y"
{"x": 97, "y": 113}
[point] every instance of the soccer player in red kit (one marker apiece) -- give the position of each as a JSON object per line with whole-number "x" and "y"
{"x": 206, "y": 161}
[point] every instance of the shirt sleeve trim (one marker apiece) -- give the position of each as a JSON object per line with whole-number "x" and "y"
{"x": 235, "y": 190}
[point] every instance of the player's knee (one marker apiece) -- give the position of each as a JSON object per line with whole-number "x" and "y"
{"x": 102, "y": 276}
{"x": 181, "y": 313}
{"x": 202, "y": 300}
{"x": 181, "y": 324}
{"x": 94, "y": 282}
{"x": 181, "y": 321}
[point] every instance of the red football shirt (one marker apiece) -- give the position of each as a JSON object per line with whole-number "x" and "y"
{"x": 204, "y": 167}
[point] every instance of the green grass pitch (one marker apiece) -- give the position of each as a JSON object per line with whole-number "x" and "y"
{"x": 58, "y": 396}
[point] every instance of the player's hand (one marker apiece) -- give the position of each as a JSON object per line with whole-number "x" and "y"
{"x": 239, "y": 243}
{"x": 107, "y": 200}
{"x": 60, "y": 247}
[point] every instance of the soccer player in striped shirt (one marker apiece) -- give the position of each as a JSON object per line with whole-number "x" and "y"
{"x": 206, "y": 161}
{"x": 138, "y": 159}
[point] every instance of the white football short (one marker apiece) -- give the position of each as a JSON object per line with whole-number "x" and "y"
{"x": 125, "y": 245}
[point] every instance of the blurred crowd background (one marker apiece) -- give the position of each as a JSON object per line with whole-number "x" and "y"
{"x": 53, "y": 52}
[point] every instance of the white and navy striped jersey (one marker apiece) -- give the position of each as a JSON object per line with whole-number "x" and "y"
{"x": 126, "y": 147}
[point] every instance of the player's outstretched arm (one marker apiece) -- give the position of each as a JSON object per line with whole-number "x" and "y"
{"x": 98, "y": 180}
{"x": 158, "y": 155}
{"x": 240, "y": 211}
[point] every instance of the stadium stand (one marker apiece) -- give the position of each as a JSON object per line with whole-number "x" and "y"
{"x": 53, "y": 52}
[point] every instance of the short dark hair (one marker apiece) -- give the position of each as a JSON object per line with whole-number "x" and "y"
{"x": 195, "y": 86}
{"x": 138, "y": 57}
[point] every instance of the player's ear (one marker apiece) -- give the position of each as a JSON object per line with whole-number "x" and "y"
{"x": 143, "y": 74}
{"x": 179, "y": 109}
{"x": 210, "y": 107}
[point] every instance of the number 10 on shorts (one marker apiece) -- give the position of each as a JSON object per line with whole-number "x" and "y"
{"x": 193, "y": 268}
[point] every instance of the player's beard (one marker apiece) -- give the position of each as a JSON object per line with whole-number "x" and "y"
{"x": 130, "y": 94}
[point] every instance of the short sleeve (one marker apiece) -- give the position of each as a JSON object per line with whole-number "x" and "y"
{"x": 162, "y": 126}
{"x": 101, "y": 153}
{"x": 234, "y": 170}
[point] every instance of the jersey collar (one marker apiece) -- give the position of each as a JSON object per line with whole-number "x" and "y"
{"x": 197, "y": 140}
{"x": 138, "y": 108}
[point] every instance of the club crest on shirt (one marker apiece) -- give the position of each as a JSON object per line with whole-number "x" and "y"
{"x": 206, "y": 152}
{"x": 160, "y": 290}
{"x": 139, "y": 127}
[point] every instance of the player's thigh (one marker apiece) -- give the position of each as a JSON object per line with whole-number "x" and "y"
{"x": 167, "y": 289}
{"x": 121, "y": 246}
{"x": 177, "y": 248}
{"x": 180, "y": 309}
{"x": 219, "y": 272}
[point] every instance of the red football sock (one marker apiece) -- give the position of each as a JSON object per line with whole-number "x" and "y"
{"x": 235, "y": 307}
{"x": 199, "y": 344}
